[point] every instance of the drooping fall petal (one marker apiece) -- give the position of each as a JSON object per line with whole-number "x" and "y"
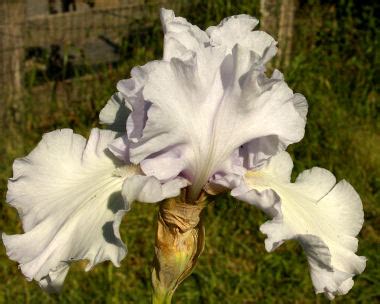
{"x": 68, "y": 194}
{"x": 324, "y": 216}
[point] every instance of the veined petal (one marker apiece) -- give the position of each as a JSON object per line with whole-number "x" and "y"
{"x": 68, "y": 195}
{"x": 323, "y": 216}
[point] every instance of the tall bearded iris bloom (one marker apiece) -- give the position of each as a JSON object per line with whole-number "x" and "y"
{"x": 203, "y": 120}
{"x": 208, "y": 108}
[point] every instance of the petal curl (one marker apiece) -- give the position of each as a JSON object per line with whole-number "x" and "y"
{"x": 323, "y": 216}
{"x": 239, "y": 30}
{"x": 255, "y": 153}
{"x": 68, "y": 195}
{"x": 180, "y": 36}
{"x": 131, "y": 90}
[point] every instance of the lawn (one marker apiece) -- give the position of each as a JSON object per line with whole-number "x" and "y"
{"x": 334, "y": 64}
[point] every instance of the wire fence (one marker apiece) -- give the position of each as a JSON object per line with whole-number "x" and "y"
{"x": 39, "y": 36}
{"x": 95, "y": 31}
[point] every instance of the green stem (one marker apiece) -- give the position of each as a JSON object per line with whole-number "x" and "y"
{"x": 162, "y": 297}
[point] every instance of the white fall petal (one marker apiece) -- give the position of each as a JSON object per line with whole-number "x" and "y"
{"x": 323, "y": 216}
{"x": 68, "y": 195}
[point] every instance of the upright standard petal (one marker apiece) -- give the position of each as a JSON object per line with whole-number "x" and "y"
{"x": 68, "y": 195}
{"x": 182, "y": 37}
{"x": 207, "y": 101}
{"x": 323, "y": 216}
{"x": 239, "y": 30}
{"x": 202, "y": 120}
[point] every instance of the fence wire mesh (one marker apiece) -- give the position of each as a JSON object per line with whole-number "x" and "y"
{"x": 90, "y": 32}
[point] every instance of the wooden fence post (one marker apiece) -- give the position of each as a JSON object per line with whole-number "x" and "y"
{"x": 277, "y": 19}
{"x": 285, "y": 31}
{"x": 12, "y": 21}
{"x": 269, "y": 11}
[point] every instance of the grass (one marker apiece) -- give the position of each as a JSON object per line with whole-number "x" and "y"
{"x": 334, "y": 64}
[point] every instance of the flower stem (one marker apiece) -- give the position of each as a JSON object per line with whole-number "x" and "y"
{"x": 179, "y": 243}
{"x": 160, "y": 297}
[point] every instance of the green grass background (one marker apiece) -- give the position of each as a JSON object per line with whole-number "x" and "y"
{"x": 334, "y": 64}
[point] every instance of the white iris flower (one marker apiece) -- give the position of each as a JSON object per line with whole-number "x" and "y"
{"x": 205, "y": 118}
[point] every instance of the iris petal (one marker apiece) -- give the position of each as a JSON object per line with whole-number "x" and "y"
{"x": 323, "y": 216}
{"x": 68, "y": 195}
{"x": 180, "y": 36}
{"x": 206, "y": 102}
{"x": 239, "y": 30}
{"x": 115, "y": 113}
{"x": 206, "y": 118}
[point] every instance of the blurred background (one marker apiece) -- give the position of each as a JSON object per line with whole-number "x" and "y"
{"x": 60, "y": 61}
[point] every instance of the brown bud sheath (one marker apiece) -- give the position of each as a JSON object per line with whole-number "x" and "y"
{"x": 179, "y": 242}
